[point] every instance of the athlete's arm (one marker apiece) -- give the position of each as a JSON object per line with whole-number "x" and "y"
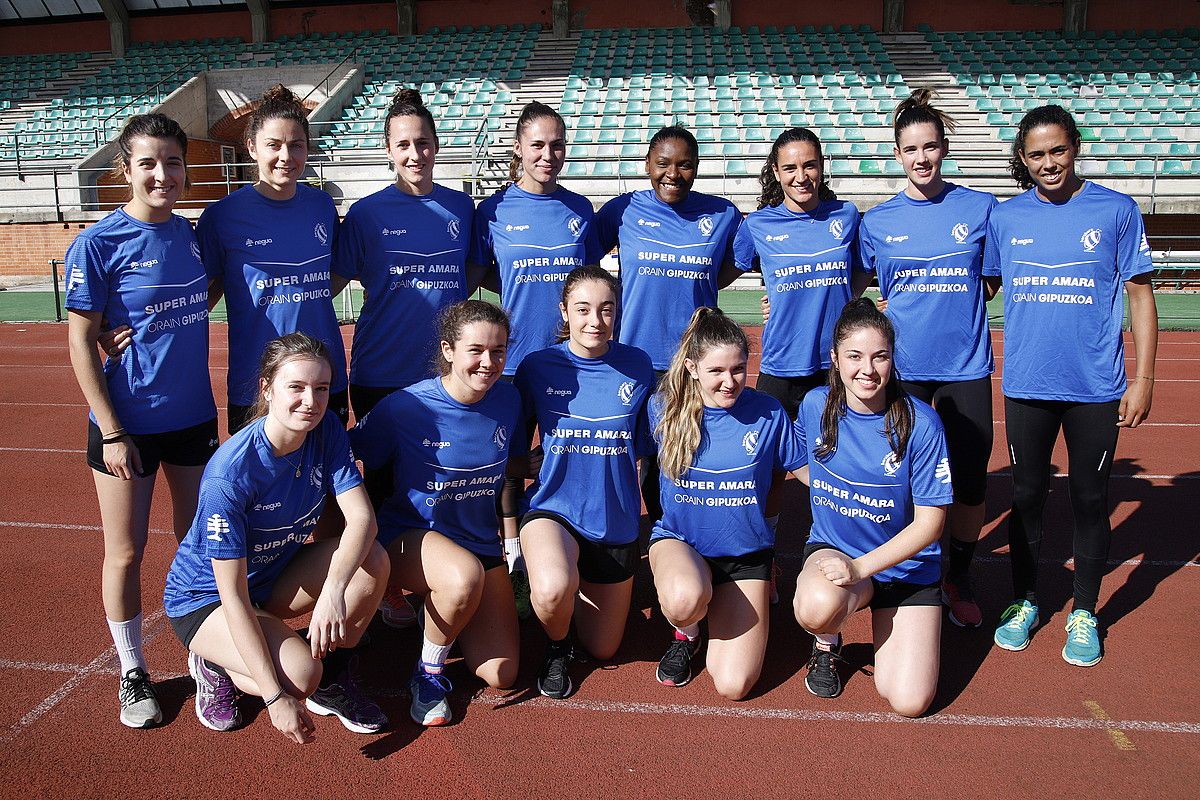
{"x": 328, "y": 627}
{"x": 83, "y": 327}
{"x": 925, "y": 529}
{"x": 287, "y": 713}
{"x": 1143, "y": 320}
{"x": 991, "y": 286}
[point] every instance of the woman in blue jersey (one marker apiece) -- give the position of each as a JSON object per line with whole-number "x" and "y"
{"x": 579, "y": 533}
{"x": 244, "y": 566}
{"x": 879, "y": 478}
{"x": 445, "y": 443}
{"x": 407, "y": 245}
{"x": 528, "y": 236}
{"x": 926, "y": 246}
{"x": 1064, "y": 249}
{"x": 712, "y": 552}
{"x": 140, "y": 267}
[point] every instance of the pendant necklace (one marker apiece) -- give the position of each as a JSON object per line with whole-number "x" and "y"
{"x": 293, "y": 463}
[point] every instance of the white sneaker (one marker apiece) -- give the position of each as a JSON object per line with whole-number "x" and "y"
{"x": 139, "y": 705}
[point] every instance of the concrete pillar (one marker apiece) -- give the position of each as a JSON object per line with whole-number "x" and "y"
{"x": 260, "y": 20}
{"x": 723, "y": 14}
{"x": 406, "y": 17}
{"x": 1074, "y": 17}
{"x": 560, "y": 18}
{"x": 118, "y": 25}
{"x": 893, "y": 16}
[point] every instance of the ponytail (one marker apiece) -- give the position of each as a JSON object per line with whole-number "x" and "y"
{"x": 916, "y": 109}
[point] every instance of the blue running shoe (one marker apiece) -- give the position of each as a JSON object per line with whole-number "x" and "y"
{"x": 429, "y": 706}
{"x": 1016, "y": 625}
{"x": 1083, "y": 641}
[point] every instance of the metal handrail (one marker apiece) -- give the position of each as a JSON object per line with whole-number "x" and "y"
{"x": 104, "y": 122}
{"x": 325, "y": 81}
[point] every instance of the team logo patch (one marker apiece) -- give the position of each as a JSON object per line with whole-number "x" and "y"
{"x": 779, "y": 238}
{"x": 942, "y": 473}
{"x": 575, "y": 226}
{"x": 452, "y": 227}
{"x": 1089, "y": 240}
{"x": 836, "y": 228}
{"x": 706, "y": 225}
{"x": 249, "y": 243}
{"x": 960, "y": 232}
{"x": 217, "y": 527}
{"x": 317, "y": 476}
{"x": 625, "y": 392}
{"x": 891, "y": 465}
{"x": 895, "y": 239}
{"x": 523, "y": 227}
{"x": 750, "y": 442}
{"x": 195, "y": 250}
{"x": 1015, "y": 242}
{"x": 500, "y": 437}
{"x": 321, "y": 232}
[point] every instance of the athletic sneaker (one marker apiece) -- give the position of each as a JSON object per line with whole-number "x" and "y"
{"x": 675, "y": 667}
{"x": 1083, "y": 641}
{"x": 960, "y": 600}
{"x": 342, "y": 698}
{"x": 397, "y": 612}
{"x": 1016, "y": 625}
{"x": 520, "y": 586}
{"x": 429, "y": 706}
{"x": 555, "y": 678}
{"x": 216, "y": 696}
{"x": 822, "y": 678}
{"x": 139, "y": 705}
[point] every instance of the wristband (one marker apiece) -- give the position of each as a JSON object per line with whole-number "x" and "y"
{"x": 1143, "y": 378}
{"x": 273, "y": 697}
{"x": 114, "y": 438}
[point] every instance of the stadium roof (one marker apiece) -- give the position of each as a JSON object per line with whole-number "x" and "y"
{"x": 59, "y": 9}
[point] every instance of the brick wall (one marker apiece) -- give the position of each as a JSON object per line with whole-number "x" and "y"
{"x": 26, "y": 248}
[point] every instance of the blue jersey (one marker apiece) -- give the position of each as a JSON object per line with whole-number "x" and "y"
{"x": 148, "y": 275}
{"x": 806, "y": 262}
{"x": 862, "y": 495}
{"x": 1063, "y": 267}
{"x": 447, "y": 460}
{"x": 592, "y": 416}
{"x": 532, "y": 241}
{"x": 670, "y": 257}
{"x": 716, "y": 506}
{"x": 928, "y": 255}
{"x": 253, "y": 506}
{"x": 272, "y": 258}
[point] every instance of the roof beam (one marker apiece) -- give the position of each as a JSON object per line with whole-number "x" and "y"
{"x": 118, "y": 25}
{"x": 260, "y": 20}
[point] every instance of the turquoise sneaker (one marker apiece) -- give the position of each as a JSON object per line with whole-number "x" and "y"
{"x": 1083, "y": 641}
{"x": 1016, "y": 625}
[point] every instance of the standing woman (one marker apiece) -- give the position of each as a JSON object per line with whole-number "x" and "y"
{"x": 719, "y": 446}
{"x": 244, "y": 566}
{"x": 1063, "y": 250}
{"x": 140, "y": 267}
{"x": 528, "y": 236}
{"x": 407, "y": 245}
{"x": 579, "y": 535}
{"x": 445, "y": 444}
{"x": 879, "y": 476}
{"x": 926, "y": 246}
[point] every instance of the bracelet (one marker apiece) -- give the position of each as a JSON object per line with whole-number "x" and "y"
{"x": 273, "y": 697}
{"x": 116, "y": 437}
{"x": 1143, "y": 378}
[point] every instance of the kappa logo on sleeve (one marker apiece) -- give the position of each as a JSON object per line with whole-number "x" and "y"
{"x": 1144, "y": 247}
{"x": 217, "y": 527}
{"x": 942, "y": 473}
{"x": 77, "y": 277}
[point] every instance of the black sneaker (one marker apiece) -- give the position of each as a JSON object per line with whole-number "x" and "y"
{"x": 822, "y": 678}
{"x": 344, "y": 699}
{"x": 675, "y": 667}
{"x": 555, "y": 678}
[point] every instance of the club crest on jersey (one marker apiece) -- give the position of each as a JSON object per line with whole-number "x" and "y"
{"x": 575, "y": 226}
{"x": 317, "y": 476}
{"x": 706, "y": 225}
{"x": 452, "y": 228}
{"x": 891, "y": 465}
{"x": 625, "y": 392}
{"x": 750, "y": 442}
{"x": 500, "y": 437}
{"x": 836, "y": 228}
{"x": 960, "y": 232}
{"x": 1089, "y": 240}
{"x": 321, "y": 232}
{"x": 217, "y": 526}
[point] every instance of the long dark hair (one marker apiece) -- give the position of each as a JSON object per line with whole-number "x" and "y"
{"x": 278, "y": 352}
{"x": 917, "y": 109}
{"x": 278, "y": 102}
{"x": 898, "y": 417}
{"x": 580, "y": 275}
{"x": 772, "y": 192}
{"x": 532, "y": 111}
{"x": 1042, "y": 115}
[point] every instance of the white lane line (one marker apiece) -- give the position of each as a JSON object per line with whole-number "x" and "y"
{"x": 66, "y": 526}
{"x": 1070, "y": 562}
{"x": 152, "y": 625}
{"x": 1137, "y": 476}
{"x": 868, "y": 717}
{"x": 38, "y": 450}
{"x": 39, "y": 666}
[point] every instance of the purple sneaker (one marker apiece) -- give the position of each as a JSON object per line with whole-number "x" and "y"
{"x": 343, "y": 699}
{"x": 216, "y": 696}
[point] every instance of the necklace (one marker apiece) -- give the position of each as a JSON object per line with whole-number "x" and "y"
{"x": 295, "y": 464}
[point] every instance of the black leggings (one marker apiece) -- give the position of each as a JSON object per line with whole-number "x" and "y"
{"x": 965, "y": 408}
{"x": 1090, "y": 431}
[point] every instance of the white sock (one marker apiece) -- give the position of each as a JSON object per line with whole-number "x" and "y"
{"x": 827, "y": 641}
{"x": 433, "y": 656}
{"x": 127, "y": 636}
{"x": 773, "y": 523}
{"x": 512, "y": 554}
{"x": 690, "y": 631}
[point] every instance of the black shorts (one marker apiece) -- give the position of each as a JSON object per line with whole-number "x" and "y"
{"x": 241, "y": 416}
{"x": 187, "y": 447}
{"x": 754, "y": 566}
{"x": 185, "y": 627}
{"x": 364, "y": 398}
{"x": 965, "y": 408}
{"x": 889, "y": 594}
{"x": 598, "y": 563}
{"x": 489, "y": 563}
{"x": 790, "y": 391}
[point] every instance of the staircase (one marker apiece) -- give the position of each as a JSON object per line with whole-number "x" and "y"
{"x": 59, "y": 87}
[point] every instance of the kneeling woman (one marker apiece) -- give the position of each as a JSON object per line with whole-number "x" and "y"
{"x": 445, "y": 444}
{"x": 879, "y": 476}
{"x": 713, "y": 550}
{"x": 243, "y": 567}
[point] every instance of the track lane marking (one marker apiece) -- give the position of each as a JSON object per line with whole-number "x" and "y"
{"x": 1119, "y": 739}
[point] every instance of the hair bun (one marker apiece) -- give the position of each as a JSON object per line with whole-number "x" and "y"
{"x": 407, "y": 96}
{"x": 280, "y": 94}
